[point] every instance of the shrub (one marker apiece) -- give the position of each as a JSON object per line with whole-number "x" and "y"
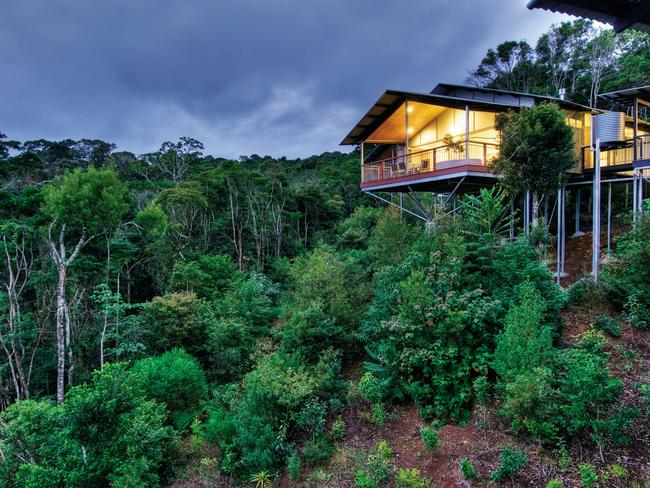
{"x": 430, "y": 437}
{"x": 530, "y": 401}
{"x": 311, "y": 418}
{"x": 510, "y": 462}
{"x": 467, "y": 469}
{"x": 263, "y": 479}
{"x": 317, "y": 450}
{"x": 607, "y": 325}
{"x": 411, "y": 478}
{"x": 369, "y": 388}
{"x": 593, "y": 341}
{"x": 172, "y": 321}
{"x": 555, "y": 484}
{"x": 174, "y": 379}
{"x": 293, "y": 466}
{"x": 377, "y": 467}
{"x": 617, "y": 471}
{"x": 422, "y": 316}
{"x": 637, "y": 312}
{"x": 337, "y": 430}
{"x": 588, "y": 475}
{"x": 524, "y": 343}
{"x": 378, "y": 414}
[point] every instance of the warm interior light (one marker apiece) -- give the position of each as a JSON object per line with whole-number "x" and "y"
{"x": 410, "y": 130}
{"x": 410, "y": 109}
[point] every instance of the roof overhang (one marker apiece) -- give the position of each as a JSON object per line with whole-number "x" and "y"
{"x": 392, "y": 100}
{"x": 628, "y": 94}
{"x": 620, "y": 14}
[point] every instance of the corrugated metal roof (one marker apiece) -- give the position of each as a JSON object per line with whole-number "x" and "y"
{"x": 628, "y": 93}
{"x": 620, "y": 14}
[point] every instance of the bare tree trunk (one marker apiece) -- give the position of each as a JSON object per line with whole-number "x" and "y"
{"x": 58, "y": 254}
{"x": 18, "y": 271}
{"x": 535, "y": 209}
{"x": 60, "y": 335}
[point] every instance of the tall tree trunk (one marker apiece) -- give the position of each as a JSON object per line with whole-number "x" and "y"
{"x": 535, "y": 209}
{"x": 60, "y": 335}
{"x": 58, "y": 254}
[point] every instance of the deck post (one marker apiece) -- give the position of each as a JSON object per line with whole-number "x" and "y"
{"x": 635, "y": 196}
{"x": 596, "y": 214}
{"x": 635, "y": 118}
{"x": 362, "y": 159}
{"x": 609, "y": 218}
{"x": 578, "y": 232}
{"x": 561, "y": 233}
{"x": 406, "y": 144}
{"x": 512, "y": 220}
{"x": 640, "y": 192}
{"x": 466, "y": 132}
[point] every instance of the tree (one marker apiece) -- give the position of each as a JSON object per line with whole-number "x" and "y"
{"x": 509, "y": 67}
{"x": 174, "y": 159}
{"x": 83, "y": 203}
{"x": 14, "y": 336}
{"x": 537, "y": 150}
{"x": 6, "y": 146}
{"x": 601, "y": 58}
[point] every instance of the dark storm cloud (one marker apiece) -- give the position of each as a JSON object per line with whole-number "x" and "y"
{"x": 280, "y": 77}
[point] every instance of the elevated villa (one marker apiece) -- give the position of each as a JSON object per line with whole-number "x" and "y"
{"x": 444, "y": 140}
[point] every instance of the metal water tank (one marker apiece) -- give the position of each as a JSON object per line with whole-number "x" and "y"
{"x": 609, "y": 127}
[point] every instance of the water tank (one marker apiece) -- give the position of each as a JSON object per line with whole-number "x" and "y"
{"x": 609, "y": 127}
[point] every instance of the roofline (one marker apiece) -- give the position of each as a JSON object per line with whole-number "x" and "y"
{"x": 443, "y": 100}
{"x": 645, "y": 89}
{"x": 557, "y": 100}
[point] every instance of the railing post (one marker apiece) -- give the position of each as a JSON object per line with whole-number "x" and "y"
{"x": 484, "y": 154}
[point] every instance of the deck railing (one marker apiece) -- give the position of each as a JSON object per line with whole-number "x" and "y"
{"x": 443, "y": 157}
{"x": 623, "y": 155}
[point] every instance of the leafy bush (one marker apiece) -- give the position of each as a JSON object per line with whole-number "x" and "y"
{"x": 337, "y": 431}
{"x": 524, "y": 342}
{"x": 411, "y": 478}
{"x": 554, "y": 484}
{"x": 172, "y": 321}
{"x": 254, "y": 423}
{"x": 588, "y": 475}
{"x": 467, "y": 469}
{"x": 430, "y": 437}
{"x": 293, "y": 466}
{"x": 430, "y": 336}
{"x": 593, "y": 341}
{"x": 378, "y": 414}
{"x": 510, "y": 462}
{"x": 607, "y": 325}
{"x": 377, "y": 467}
{"x": 208, "y": 276}
{"x": 369, "y": 388}
{"x": 174, "y": 379}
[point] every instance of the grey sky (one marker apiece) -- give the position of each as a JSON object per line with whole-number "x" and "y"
{"x": 279, "y": 77}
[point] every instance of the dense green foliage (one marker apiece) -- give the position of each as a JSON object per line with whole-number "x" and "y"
{"x": 576, "y": 56}
{"x": 173, "y": 302}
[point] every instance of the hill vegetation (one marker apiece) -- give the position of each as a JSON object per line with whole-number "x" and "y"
{"x": 175, "y": 318}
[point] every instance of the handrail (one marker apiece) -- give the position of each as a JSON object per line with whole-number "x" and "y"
{"x": 376, "y": 161}
{"x": 427, "y": 160}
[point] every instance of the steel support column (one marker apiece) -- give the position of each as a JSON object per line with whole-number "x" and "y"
{"x": 578, "y": 232}
{"x": 595, "y": 263}
{"x": 609, "y": 218}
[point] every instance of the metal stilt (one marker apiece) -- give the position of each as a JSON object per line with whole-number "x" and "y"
{"x": 595, "y": 263}
{"x": 609, "y": 218}
{"x": 578, "y": 232}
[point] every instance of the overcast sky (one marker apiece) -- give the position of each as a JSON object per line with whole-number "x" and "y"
{"x": 278, "y": 77}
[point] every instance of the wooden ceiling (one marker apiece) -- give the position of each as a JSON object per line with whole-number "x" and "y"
{"x": 393, "y": 129}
